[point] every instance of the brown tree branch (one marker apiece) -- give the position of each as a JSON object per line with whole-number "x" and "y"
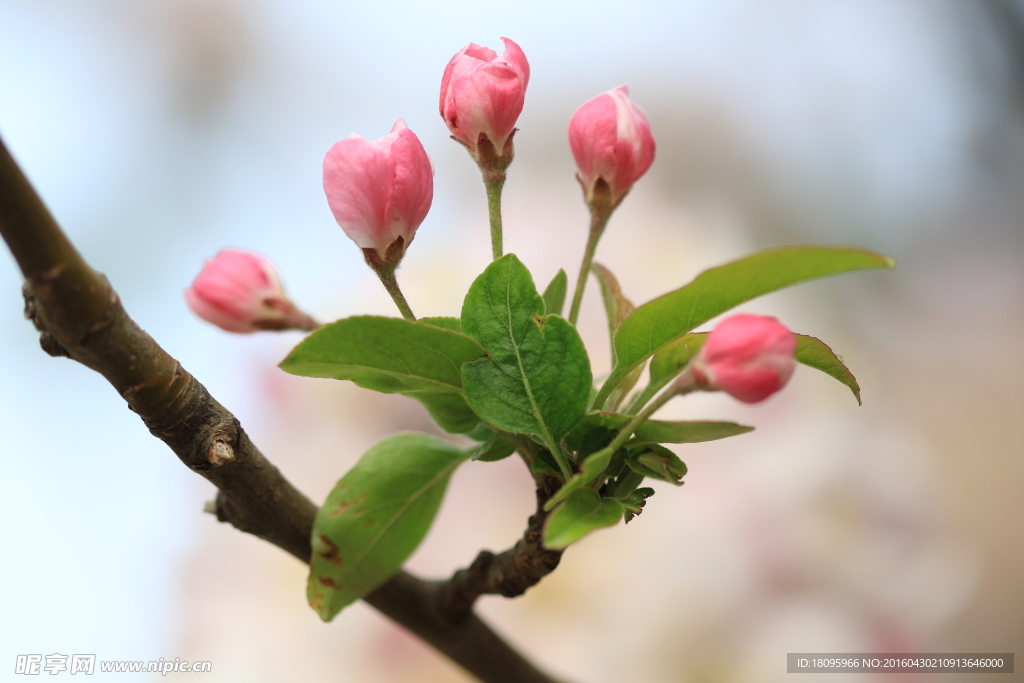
{"x": 81, "y": 317}
{"x": 509, "y": 573}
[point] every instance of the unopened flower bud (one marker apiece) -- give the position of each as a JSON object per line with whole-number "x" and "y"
{"x": 241, "y": 292}
{"x": 749, "y": 357}
{"x": 380, "y": 191}
{"x": 482, "y": 96}
{"x": 612, "y": 143}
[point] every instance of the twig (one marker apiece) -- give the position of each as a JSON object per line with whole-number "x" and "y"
{"x": 81, "y": 317}
{"x": 509, "y": 573}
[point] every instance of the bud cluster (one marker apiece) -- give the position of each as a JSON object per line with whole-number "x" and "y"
{"x": 380, "y": 191}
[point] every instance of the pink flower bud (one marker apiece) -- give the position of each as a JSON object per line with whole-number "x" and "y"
{"x": 379, "y": 190}
{"x": 241, "y": 292}
{"x": 611, "y": 141}
{"x": 483, "y": 94}
{"x": 749, "y": 357}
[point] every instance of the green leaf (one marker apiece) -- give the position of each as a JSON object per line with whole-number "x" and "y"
{"x": 417, "y": 359}
{"x": 624, "y": 484}
{"x": 554, "y": 293}
{"x": 444, "y": 322}
{"x": 536, "y": 376}
{"x": 815, "y": 353}
{"x": 617, "y": 308}
{"x": 389, "y": 355}
{"x": 671, "y": 360}
{"x": 482, "y": 432}
{"x": 450, "y": 411}
{"x": 658, "y": 431}
{"x": 657, "y": 323}
{"x": 494, "y": 449}
{"x": 583, "y": 512}
{"x": 657, "y": 462}
{"x": 375, "y": 517}
{"x": 545, "y": 463}
{"x": 665, "y": 365}
{"x": 590, "y": 469}
{"x": 634, "y": 503}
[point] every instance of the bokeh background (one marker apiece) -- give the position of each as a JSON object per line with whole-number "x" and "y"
{"x": 160, "y": 131}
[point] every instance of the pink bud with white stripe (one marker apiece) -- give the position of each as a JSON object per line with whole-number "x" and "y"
{"x": 612, "y": 143}
{"x": 380, "y": 190}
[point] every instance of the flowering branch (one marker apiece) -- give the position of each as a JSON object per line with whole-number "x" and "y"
{"x": 81, "y": 317}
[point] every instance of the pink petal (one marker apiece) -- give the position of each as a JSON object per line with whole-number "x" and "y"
{"x": 357, "y": 181}
{"x": 412, "y": 186}
{"x": 592, "y": 137}
{"x": 514, "y": 57}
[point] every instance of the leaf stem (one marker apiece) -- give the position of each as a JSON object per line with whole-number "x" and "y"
{"x": 494, "y": 181}
{"x": 561, "y": 458}
{"x": 675, "y": 390}
{"x": 599, "y": 215}
{"x": 641, "y": 398}
{"x": 678, "y": 388}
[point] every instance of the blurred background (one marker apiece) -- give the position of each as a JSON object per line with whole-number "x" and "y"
{"x": 161, "y": 131}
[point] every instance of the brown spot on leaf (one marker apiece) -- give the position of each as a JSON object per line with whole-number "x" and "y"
{"x": 331, "y": 553}
{"x": 344, "y": 505}
{"x": 327, "y": 581}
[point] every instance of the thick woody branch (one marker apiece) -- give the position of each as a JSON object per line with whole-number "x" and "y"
{"x": 80, "y": 316}
{"x": 509, "y": 573}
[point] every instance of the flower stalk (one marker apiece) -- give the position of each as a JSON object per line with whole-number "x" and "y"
{"x": 600, "y": 212}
